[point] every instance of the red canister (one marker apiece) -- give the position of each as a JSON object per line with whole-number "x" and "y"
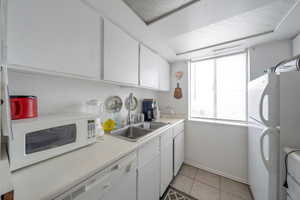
{"x": 23, "y": 107}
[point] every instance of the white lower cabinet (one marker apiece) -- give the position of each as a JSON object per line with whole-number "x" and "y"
{"x": 178, "y": 152}
{"x": 142, "y": 175}
{"x": 148, "y": 180}
{"x": 166, "y": 161}
{"x": 159, "y": 160}
{"x": 148, "y": 171}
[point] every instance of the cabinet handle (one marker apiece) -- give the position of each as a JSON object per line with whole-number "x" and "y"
{"x": 128, "y": 168}
{"x": 105, "y": 187}
{"x": 116, "y": 167}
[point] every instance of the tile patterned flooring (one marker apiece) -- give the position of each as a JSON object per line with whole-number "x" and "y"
{"x": 204, "y": 185}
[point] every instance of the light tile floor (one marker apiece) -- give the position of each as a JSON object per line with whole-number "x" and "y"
{"x": 204, "y": 185}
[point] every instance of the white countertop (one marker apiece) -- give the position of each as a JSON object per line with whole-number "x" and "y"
{"x": 50, "y": 177}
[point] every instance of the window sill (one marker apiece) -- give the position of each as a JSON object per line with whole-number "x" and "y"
{"x": 223, "y": 122}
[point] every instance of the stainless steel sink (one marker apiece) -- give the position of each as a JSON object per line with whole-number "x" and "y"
{"x": 137, "y": 131}
{"x": 131, "y": 133}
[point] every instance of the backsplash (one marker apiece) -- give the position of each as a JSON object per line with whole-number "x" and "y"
{"x": 60, "y": 94}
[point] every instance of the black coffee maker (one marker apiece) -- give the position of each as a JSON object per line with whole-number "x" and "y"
{"x": 149, "y": 106}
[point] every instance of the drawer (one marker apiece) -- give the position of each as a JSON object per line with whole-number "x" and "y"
{"x": 123, "y": 166}
{"x": 166, "y": 137}
{"x": 294, "y": 187}
{"x": 130, "y": 159}
{"x": 178, "y": 129}
{"x": 148, "y": 152}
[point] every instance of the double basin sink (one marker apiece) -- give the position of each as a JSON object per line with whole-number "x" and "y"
{"x": 137, "y": 131}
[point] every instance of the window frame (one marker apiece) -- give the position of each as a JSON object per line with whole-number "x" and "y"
{"x": 215, "y": 100}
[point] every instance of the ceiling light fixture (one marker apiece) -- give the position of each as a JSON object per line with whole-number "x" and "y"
{"x": 151, "y": 11}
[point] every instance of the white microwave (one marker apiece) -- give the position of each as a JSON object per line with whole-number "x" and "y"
{"x": 35, "y": 140}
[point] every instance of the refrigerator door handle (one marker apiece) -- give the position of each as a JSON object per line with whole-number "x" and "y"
{"x": 261, "y": 106}
{"x": 266, "y": 132}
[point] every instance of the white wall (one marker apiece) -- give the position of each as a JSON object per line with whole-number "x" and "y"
{"x": 59, "y": 94}
{"x": 218, "y": 148}
{"x": 296, "y": 45}
{"x": 221, "y": 148}
{"x": 166, "y": 99}
{"x": 268, "y": 55}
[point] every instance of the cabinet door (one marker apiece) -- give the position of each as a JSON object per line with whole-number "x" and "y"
{"x": 121, "y": 54}
{"x": 178, "y": 152}
{"x": 164, "y": 75}
{"x": 61, "y": 36}
{"x": 166, "y": 160}
{"x": 149, "y": 61}
{"x": 148, "y": 180}
{"x": 166, "y": 171}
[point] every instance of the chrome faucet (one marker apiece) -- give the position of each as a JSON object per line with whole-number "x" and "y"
{"x": 129, "y": 117}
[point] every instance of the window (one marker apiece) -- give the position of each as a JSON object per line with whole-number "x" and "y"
{"x": 218, "y": 88}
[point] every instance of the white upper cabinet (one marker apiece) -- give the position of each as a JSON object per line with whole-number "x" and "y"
{"x": 164, "y": 75}
{"x": 121, "y": 53}
{"x": 149, "y": 61}
{"x": 61, "y": 36}
{"x": 154, "y": 70}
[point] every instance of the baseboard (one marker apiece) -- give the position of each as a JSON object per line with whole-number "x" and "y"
{"x": 226, "y": 175}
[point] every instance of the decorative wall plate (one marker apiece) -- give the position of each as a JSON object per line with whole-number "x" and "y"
{"x": 113, "y": 104}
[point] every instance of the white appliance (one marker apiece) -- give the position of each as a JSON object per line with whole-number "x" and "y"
{"x": 274, "y": 122}
{"x": 293, "y": 173}
{"x": 38, "y": 139}
{"x": 5, "y": 122}
{"x": 118, "y": 181}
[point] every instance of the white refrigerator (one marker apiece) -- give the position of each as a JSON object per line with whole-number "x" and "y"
{"x": 5, "y": 122}
{"x": 274, "y": 123}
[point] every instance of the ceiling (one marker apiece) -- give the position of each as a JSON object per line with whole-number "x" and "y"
{"x": 255, "y": 22}
{"x": 211, "y": 26}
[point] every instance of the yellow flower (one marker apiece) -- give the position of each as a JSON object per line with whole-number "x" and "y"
{"x": 109, "y": 125}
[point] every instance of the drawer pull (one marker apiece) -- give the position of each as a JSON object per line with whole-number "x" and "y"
{"x": 116, "y": 167}
{"x": 128, "y": 168}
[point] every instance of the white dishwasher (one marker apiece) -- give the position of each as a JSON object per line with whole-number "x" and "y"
{"x": 117, "y": 181}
